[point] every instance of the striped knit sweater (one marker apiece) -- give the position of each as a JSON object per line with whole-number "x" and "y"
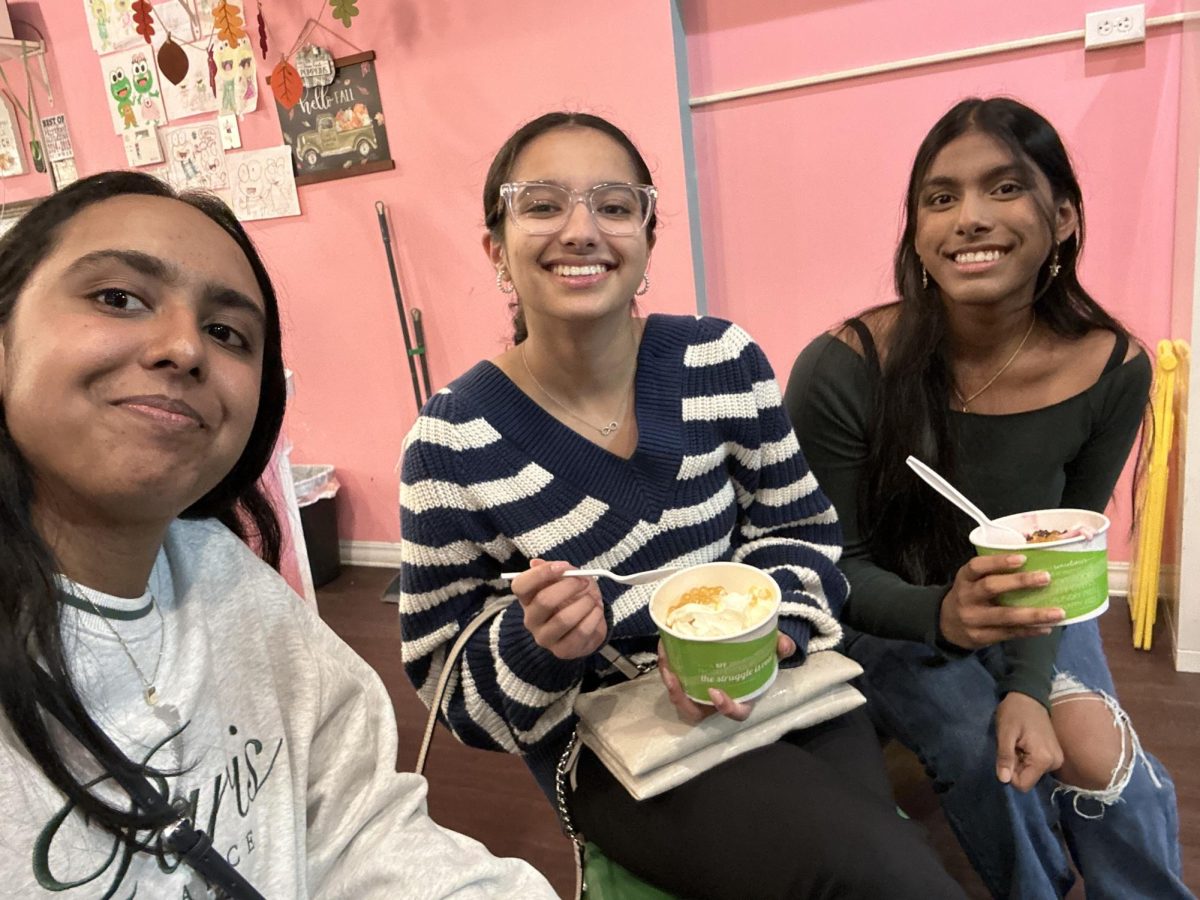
{"x": 490, "y": 480}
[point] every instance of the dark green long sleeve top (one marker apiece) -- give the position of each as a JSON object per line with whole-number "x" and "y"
{"x": 1069, "y": 454}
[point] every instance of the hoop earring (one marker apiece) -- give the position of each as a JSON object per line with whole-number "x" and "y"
{"x": 645, "y": 286}
{"x": 504, "y": 283}
{"x": 1055, "y": 268}
{"x": 924, "y": 278}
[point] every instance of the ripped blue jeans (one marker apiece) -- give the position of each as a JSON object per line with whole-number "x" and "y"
{"x": 1124, "y": 841}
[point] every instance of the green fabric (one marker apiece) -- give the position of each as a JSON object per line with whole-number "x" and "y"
{"x": 604, "y": 879}
{"x": 1065, "y": 455}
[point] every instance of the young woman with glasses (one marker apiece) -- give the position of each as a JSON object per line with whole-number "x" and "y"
{"x": 152, "y": 666}
{"x": 605, "y": 439}
{"x": 997, "y": 368}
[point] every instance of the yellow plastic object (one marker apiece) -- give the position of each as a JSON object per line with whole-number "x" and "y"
{"x": 1168, "y": 393}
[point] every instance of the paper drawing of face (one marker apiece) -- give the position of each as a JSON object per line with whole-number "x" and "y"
{"x": 143, "y": 78}
{"x": 119, "y": 85}
{"x": 100, "y": 11}
{"x": 249, "y": 179}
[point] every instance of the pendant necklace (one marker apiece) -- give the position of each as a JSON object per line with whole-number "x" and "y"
{"x": 607, "y": 429}
{"x": 965, "y": 401}
{"x": 149, "y": 690}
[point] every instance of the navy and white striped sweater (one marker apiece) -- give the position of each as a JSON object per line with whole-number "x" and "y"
{"x": 491, "y": 480}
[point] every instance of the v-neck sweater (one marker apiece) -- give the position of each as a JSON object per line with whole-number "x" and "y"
{"x": 491, "y": 480}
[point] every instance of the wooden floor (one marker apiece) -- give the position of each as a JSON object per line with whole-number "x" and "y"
{"x": 492, "y": 796}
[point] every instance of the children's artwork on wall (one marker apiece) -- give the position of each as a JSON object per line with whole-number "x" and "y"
{"x": 231, "y": 135}
{"x": 262, "y": 184}
{"x": 63, "y": 172}
{"x": 111, "y": 25}
{"x": 12, "y": 161}
{"x": 194, "y": 156}
{"x": 186, "y": 20}
{"x": 191, "y": 97}
{"x": 337, "y": 130}
{"x": 142, "y": 147}
{"x": 131, "y": 82}
{"x": 237, "y": 78}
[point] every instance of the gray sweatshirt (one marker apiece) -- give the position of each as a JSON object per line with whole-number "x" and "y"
{"x": 284, "y": 738}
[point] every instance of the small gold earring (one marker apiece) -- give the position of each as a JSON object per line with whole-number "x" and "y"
{"x": 1055, "y": 268}
{"x": 924, "y": 277}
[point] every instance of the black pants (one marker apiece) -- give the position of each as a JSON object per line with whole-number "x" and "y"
{"x": 810, "y": 816}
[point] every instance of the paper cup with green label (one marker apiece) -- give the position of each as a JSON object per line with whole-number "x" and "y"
{"x": 1070, "y": 544}
{"x": 719, "y": 625}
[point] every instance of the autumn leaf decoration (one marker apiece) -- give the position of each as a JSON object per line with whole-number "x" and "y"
{"x": 141, "y": 17}
{"x": 212, "y": 71}
{"x": 286, "y": 85}
{"x": 344, "y": 10}
{"x": 262, "y": 33}
{"x": 227, "y": 20}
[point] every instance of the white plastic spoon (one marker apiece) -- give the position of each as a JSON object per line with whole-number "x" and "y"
{"x": 995, "y": 533}
{"x": 633, "y": 578}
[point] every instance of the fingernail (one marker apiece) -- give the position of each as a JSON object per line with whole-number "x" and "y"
{"x": 560, "y": 566}
{"x": 1057, "y": 615}
{"x": 1041, "y": 578}
{"x": 1005, "y": 775}
{"x": 1017, "y": 559}
{"x": 716, "y": 696}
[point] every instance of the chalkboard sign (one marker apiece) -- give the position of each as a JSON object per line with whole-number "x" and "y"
{"x": 337, "y": 130}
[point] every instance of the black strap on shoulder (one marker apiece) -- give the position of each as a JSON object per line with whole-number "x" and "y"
{"x": 870, "y": 353}
{"x": 181, "y": 837}
{"x": 1120, "y": 348}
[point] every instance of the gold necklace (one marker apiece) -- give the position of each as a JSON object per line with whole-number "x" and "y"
{"x": 965, "y": 401}
{"x": 149, "y": 691}
{"x": 605, "y": 430}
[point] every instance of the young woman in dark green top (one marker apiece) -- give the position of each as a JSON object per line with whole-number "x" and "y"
{"x": 997, "y": 368}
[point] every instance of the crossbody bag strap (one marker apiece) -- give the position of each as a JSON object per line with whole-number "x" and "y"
{"x": 489, "y": 611}
{"x": 181, "y": 837}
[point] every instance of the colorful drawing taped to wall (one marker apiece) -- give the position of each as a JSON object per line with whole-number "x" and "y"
{"x": 142, "y": 147}
{"x": 194, "y": 157}
{"x": 56, "y": 138}
{"x": 237, "y": 78}
{"x": 111, "y": 25}
{"x": 131, "y": 81}
{"x": 12, "y": 162}
{"x": 262, "y": 184}
{"x": 338, "y": 129}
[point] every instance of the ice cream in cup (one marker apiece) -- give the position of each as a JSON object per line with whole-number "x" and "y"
{"x": 719, "y": 625}
{"x": 1070, "y": 544}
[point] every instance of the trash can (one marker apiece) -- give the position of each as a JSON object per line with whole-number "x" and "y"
{"x": 316, "y": 490}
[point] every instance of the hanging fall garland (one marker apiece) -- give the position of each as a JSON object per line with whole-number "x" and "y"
{"x": 227, "y": 20}
{"x": 262, "y": 33}
{"x": 344, "y": 10}
{"x": 141, "y": 18}
{"x": 286, "y": 84}
{"x": 172, "y": 61}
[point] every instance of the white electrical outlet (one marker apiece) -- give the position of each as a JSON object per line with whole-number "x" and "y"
{"x": 1122, "y": 25}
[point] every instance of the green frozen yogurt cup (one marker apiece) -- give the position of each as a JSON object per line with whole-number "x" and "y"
{"x": 743, "y": 664}
{"x": 1078, "y": 566}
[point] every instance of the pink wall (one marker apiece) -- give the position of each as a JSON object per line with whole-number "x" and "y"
{"x": 801, "y": 192}
{"x": 455, "y": 79}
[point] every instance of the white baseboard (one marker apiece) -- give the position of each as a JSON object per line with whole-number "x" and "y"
{"x": 1118, "y": 579}
{"x": 376, "y": 554}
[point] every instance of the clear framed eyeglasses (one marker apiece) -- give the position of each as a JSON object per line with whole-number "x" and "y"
{"x": 542, "y": 207}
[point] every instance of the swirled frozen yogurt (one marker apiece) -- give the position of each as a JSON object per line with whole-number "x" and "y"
{"x": 707, "y": 612}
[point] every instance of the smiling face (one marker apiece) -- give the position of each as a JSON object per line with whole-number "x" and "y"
{"x": 130, "y": 367}
{"x": 579, "y": 273}
{"x": 987, "y": 222}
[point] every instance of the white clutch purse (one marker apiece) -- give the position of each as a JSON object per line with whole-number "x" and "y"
{"x": 634, "y": 730}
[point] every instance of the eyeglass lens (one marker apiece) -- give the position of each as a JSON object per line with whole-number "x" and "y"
{"x": 619, "y": 209}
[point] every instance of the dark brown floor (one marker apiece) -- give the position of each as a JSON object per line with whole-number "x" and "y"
{"x": 492, "y": 797}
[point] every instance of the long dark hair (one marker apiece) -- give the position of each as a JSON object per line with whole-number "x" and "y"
{"x": 501, "y": 168}
{"x": 30, "y": 630}
{"x": 911, "y": 411}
